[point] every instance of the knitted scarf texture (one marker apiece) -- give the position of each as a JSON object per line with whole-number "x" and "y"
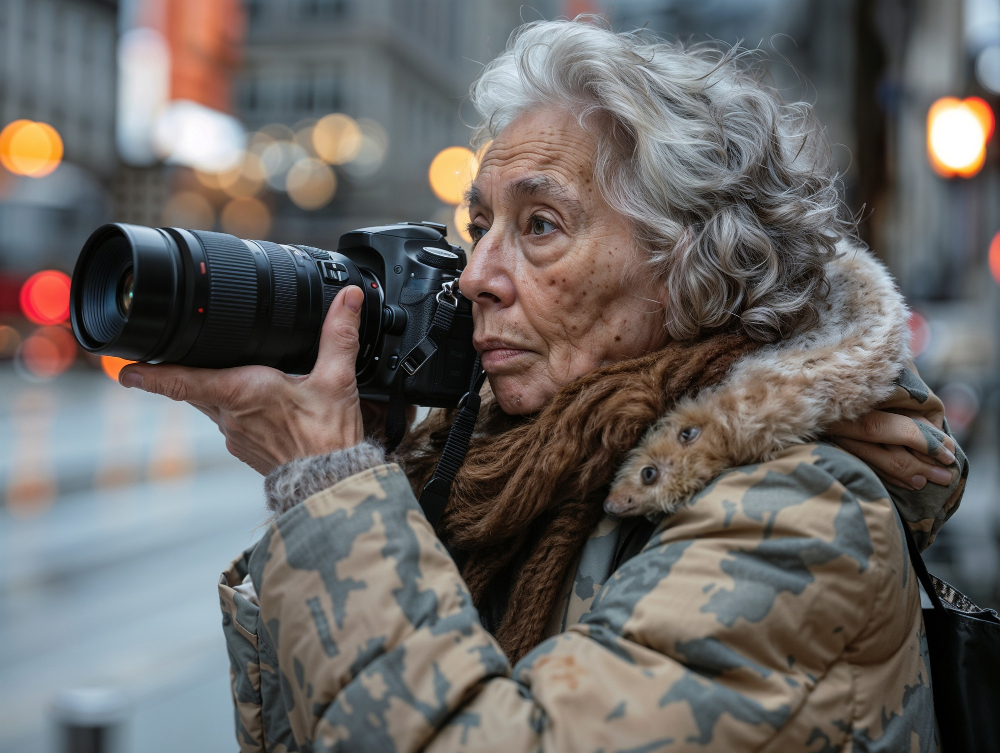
{"x": 532, "y": 488}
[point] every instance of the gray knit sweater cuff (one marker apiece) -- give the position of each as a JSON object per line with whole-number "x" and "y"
{"x": 293, "y": 482}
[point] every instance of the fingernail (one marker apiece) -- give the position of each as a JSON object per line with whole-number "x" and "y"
{"x": 945, "y": 455}
{"x": 131, "y": 379}
{"x": 940, "y": 476}
{"x": 353, "y": 299}
{"x": 918, "y": 482}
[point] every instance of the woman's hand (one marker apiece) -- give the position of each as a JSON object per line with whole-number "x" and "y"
{"x": 903, "y": 448}
{"x": 270, "y": 418}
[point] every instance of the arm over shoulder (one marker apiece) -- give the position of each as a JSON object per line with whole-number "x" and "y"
{"x": 720, "y": 631}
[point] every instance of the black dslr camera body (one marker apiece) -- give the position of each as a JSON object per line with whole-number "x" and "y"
{"x": 197, "y": 298}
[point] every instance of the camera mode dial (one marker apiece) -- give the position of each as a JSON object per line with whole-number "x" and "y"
{"x": 439, "y": 258}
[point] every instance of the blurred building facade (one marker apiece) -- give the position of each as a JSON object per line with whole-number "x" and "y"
{"x": 404, "y": 64}
{"x": 57, "y": 65}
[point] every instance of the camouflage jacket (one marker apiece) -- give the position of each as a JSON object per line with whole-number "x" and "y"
{"x": 777, "y": 611}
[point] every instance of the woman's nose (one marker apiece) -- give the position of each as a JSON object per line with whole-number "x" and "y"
{"x": 488, "y": 278}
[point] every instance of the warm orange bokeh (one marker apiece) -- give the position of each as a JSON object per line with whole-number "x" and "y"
{"x": 994, "y": 258}
{"x": 113, "y": 366}
{"x": 49, "y": 351}
{"x": 30, "y": 148}
{"x": 957, "y": 132}
{"x": 451, "y": 173}
{"x": 45, "y": 297}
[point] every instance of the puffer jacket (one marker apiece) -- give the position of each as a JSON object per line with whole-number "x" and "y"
{"x": 776, "y": 610}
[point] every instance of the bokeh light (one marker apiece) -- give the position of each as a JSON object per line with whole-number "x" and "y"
{"x": 451, "y": 173}
{"x": 189, "y": 209}
{"x": 988, "y": 68}
{"x": 337, "y": 138}
{"x": 44, "y": 297}
{"x": 48, "y": 352}
{"x": 957, "y": 132}
{"x": 462, "y": 222}
{"x": 374, "y": 148}
{"x": 112, "y": 366}
{"x": 994, "y": 258}
{"x": 277, "y": 159}
{"x": 311, "y": 183}
{"x": 246, "y": 217}
{"x": 10, "y": 338}
{"x": 920, "y": 334}
{"x": 30, "y": 148}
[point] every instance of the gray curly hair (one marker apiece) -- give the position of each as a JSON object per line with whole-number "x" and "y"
{"x": 731, "y": 191}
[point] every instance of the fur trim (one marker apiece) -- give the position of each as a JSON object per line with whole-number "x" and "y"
{"x": 780, "y": 395}
{"x": 295, "y": 481}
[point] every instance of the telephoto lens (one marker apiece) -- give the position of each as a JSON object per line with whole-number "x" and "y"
{"x": 199, "y": 298}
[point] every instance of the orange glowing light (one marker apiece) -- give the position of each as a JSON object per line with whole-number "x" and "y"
{"x": 30, "y": 148}
{"x": 451, "y": 173}
{"x": 462, "y": 222}
{"x": 49, "y": 351}
{"x": 45, "y": 297}
{"x": 957, "y": 132}
{"x": 10, "y": 338}
{"x": 994, "y": 258}
{"x": 113, "y": 365}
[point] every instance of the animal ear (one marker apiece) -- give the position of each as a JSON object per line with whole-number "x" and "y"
{"x": 688, "y": 435}
{"x": 648, "y": 474}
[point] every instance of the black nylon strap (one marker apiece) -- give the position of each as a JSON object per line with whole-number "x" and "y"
{"x": 434, "y": 496}
{"x": 918, "y": 565}
{"x": 395, "y": 417}
{"x": 419, "y": 354}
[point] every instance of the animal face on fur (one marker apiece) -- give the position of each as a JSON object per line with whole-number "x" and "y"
{"x": 675, "y": 459}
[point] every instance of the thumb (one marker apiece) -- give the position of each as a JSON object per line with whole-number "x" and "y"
{"x": 338, "y": 342}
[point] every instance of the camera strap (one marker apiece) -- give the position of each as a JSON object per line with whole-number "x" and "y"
{"x": 434, "y": 496}
{"x": 444, "y": 314}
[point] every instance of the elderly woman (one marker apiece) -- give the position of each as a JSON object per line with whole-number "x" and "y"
{"x": 656, "y": 236}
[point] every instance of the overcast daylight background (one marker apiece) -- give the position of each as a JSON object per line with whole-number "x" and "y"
{"x": 297, "y": 120}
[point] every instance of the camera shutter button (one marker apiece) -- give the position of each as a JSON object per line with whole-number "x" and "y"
{"x": 439, "y": 258}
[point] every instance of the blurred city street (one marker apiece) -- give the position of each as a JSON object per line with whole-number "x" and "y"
{"x": 122, "y": 510}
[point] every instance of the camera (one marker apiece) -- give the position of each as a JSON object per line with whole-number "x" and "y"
{"x": 199, "y": 298}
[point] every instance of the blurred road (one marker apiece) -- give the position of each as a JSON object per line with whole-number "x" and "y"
{"x": 120, "y": 511}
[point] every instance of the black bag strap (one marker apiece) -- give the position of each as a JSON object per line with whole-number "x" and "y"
{"x": 921, "y": 569}
{"x": 434, "y": 496}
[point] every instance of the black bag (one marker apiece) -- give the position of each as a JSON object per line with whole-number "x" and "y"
{"x": 964, "y": 645}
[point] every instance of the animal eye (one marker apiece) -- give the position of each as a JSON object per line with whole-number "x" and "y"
{"x": 648, "y": 474}
{"x": 688, "y": 435}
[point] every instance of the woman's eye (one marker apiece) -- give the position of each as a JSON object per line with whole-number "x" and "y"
{"x": 476, "y": 232}
{"x": 538, "y": 226}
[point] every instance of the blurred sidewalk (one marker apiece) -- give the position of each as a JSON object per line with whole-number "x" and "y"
{"x": 121, "y": 509}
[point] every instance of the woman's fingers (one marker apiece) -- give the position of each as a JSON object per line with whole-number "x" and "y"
{"x": 905, "y": 467}
{"x": 338, "y": 342}
{"x": 203, "y": 386}
{"x": 882, "y": 427}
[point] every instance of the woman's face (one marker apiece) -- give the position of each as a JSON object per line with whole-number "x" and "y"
{"x": 552, "y": 300}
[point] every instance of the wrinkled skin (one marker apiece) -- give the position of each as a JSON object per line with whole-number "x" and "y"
{"x": 546, "y": 274}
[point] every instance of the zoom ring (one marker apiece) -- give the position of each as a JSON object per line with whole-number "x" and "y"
{"x": 232, "y": 305}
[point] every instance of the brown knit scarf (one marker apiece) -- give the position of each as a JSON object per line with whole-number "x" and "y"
{"x": 531, "y": 489}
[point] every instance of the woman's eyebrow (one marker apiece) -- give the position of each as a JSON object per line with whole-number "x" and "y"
{"x": 542, "y": 186}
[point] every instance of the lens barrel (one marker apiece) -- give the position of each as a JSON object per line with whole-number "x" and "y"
{"x": 208, "y": 299}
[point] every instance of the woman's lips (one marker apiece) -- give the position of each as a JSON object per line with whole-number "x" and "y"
{"x": 493, "y": 358}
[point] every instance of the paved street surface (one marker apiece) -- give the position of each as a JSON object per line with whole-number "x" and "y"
{"x": 120, "y": 511}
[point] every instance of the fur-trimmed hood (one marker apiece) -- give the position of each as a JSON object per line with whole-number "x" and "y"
{"x": 782, "y": 394}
